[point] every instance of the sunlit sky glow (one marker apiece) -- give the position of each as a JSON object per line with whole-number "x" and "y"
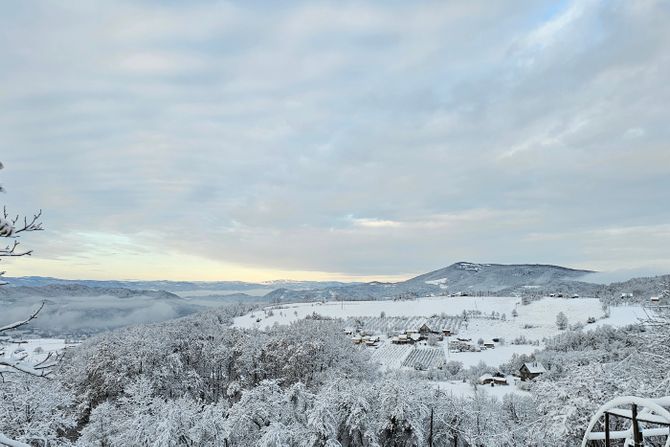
{"x": 335, "y": 140}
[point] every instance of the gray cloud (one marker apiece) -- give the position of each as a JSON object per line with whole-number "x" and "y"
{"x": 342, "y": 137}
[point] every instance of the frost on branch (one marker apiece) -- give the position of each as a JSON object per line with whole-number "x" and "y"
{"x": 16, "y": 361}
{"x": 11, "y": 227}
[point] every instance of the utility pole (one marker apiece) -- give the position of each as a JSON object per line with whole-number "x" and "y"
{"x": 430, "y": 434}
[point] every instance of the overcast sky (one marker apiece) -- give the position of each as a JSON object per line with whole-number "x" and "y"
{"x": 319, "y": 140}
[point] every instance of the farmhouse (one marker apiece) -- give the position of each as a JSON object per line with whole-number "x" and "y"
{"x": 371, "y": 341}
{"x": 486, "y": 379}
{"x": 655, "y": 299}
{"x": 489, "y": 345}
{"x": 425, "y": 330}
{"x": 500, "y": 381}
{"x": 495, "y": 379}
{"x": 401, "y": 339}
{"x": 529, "y": 371}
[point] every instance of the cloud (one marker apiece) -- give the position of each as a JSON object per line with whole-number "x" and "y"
{"x": 344, "y": 139}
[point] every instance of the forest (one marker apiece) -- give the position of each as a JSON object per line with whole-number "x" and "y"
{"x": 197, "y": 381}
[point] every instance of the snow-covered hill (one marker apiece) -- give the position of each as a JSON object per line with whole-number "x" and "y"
{"x": 461, "y": 277}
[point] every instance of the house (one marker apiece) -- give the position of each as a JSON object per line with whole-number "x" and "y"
{"x": 489, "y": 345}
{"x": 574, "y": 296}
{"x": 446, "y": 332}
{"x": 485, "y": 379}
{"x": 529, "y": 371}
{"x": 500, "y": 380}
{"x": 495, "y": 379}
{"x": 626, "y": 295}
{"x": 425, "y": 330}
{"x": 372, "y": 341}
{"x": 401, "y": 339}
{"x": 655, "y": 299}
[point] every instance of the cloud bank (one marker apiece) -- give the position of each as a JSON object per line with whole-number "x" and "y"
{"x": 221, "y": 140}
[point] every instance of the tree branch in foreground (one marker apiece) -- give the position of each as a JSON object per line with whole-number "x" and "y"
{"x": 23, "y": 322}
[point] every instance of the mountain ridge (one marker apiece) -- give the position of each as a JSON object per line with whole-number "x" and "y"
{"x": 458, "y": 278}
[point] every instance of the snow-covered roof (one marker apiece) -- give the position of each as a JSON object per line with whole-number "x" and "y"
{"x": 535, "y": 368}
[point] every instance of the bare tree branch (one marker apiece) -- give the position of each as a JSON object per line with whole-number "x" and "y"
{"x": 11, "y": 227}
{"x": 23, "y": 322}
{"x": 4, "y": 440}
{"x": 11, "y": 251}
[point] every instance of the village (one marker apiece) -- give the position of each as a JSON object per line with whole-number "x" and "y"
{"x": 432, "y": 337}
{"x": 423, "y": 347}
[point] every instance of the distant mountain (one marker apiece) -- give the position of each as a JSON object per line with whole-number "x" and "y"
{"x": 468, "y": 276}
{"x": 180, "y": 287}
{"x": 79, "y": 290}
{"x": 461, "y": 277}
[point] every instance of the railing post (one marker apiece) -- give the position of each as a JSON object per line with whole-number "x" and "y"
{"x": 607, "y": 430}
{"x": 637, "y": 437}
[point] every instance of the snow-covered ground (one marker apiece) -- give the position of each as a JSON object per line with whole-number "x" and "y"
{"x": 492, "y": 357}
{"x": 35, "y": 349}
{"x": 421, "y": 307}
{"x": 464, "y": 389}
{"x": 534, "y": 321}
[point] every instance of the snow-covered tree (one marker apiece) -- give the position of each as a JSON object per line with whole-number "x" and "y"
{"x": 12, "y": 227}
{"x": 561, "y": 321}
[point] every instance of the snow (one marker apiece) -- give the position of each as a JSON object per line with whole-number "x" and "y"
{"x": 535, "y": 321}
{"x": 492, "y": 357}
{"x": 30, "y": 345}
{"x": 459, "y": 388}
{"x": 622, "y": 316}
{"x": 421, "y": 307}
{"x": 535, "y": 368}
{"x": 438, "y": 282}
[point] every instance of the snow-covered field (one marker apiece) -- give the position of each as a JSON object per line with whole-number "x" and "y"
{"x": 463, "y": 389}
{"x": 534, "y": 321}
{"x": 34, "y": 350}
{"x": 422, "y": 307}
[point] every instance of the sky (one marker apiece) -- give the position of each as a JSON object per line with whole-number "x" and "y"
{"x": 347, "y": 140}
